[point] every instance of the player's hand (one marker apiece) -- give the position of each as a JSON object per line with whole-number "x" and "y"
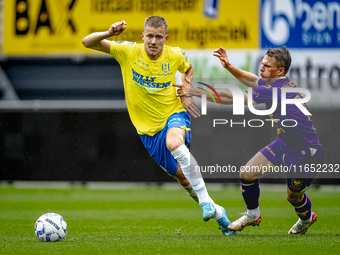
{"x": 186, "y": 89}
{"x": 190, "y": 106}
{"x": 222, "y": 55}
{"x": 183, "y": 90}
{"x": 117, "y": 28}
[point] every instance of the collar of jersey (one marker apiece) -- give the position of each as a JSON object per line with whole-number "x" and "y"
{"x": 159, "y": 59}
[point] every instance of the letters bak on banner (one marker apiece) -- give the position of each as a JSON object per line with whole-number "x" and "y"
{"x": 50, "y": 27}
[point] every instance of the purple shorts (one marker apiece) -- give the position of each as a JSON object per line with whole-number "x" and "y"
{"x": 297, "y": 179}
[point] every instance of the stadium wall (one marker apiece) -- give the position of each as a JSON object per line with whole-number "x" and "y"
{"x": 104, "y": 146}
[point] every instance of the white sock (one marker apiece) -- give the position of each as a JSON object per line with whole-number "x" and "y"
{"x": 218, "y": 212}
{"x": 254, "y": 213}
{"x": 305, "y": 222}
{"x": 189, "y": 168}
{"x": 203, "y": 195}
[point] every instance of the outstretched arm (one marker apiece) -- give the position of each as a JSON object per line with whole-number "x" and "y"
{"x": 247, "y": 78}
{"x": 97, "y": 41}
{"x": 185, "y": 91}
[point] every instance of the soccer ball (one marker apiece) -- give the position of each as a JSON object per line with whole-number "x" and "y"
{"x": 50, "y": 227}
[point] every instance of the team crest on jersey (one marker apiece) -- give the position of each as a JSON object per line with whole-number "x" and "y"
{"x": 166, "y": 67}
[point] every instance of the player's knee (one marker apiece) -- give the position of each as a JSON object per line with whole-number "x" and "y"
{"x": 173, "y": 144}
{"x": 244, "y": 175}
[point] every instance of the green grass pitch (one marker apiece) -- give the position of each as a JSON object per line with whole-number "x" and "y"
{"x": 159, "y": 221}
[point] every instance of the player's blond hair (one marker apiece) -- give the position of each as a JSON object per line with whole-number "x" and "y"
{"x": 282, "y": 57}
{"x": 156, "y": 21}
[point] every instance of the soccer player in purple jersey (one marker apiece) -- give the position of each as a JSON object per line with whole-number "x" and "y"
{"x": 295, "y": 146}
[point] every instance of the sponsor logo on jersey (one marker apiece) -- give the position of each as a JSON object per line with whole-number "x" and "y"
{"x": 148, "y": 81}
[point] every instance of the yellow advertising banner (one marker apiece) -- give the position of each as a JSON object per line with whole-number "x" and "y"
{"x": 56, "y": 27}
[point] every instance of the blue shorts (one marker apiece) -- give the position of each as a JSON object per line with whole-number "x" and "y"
{"x": 156, "y": 144}
{"x": 297, "y": 179}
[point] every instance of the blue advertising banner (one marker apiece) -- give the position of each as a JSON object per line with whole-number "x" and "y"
{"x": 300, "y": 23}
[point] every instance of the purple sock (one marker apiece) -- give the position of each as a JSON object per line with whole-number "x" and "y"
{"x": 251, "y": 193}
{"x": 303, "y": 208}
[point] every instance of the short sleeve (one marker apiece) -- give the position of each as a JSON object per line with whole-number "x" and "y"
{"x": 121, "y": 49}
{"x": 184, "y": 64}
{"x": 260, "y": 82}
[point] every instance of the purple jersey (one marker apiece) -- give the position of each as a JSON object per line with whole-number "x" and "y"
{"x": 299, "y": 139}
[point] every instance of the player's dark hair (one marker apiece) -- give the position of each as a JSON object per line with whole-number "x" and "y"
{"x": 156, "y": 21}
{"x": 282, "y": 57}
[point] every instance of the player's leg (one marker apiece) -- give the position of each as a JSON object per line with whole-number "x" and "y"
{"x": 262, "y": 163}
{"x": 185, "y": 183}
{"x": 175, "y": 144}
{"x": 156, "y": 146}
{"x": 258, "y": 166}
{"x": 302, "y": 206}
{"x": 188, "y": 167}
{"x": 297, "y": 183}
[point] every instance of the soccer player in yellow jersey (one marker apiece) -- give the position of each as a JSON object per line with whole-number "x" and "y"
{"x": 162, "y": 122}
